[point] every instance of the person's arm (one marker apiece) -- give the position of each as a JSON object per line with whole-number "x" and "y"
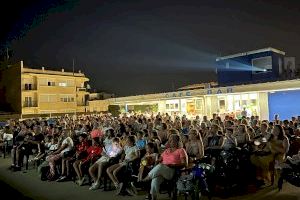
{"x": 247, "y": 138}
{"x": 201, "y": 150}
{"x": 62, "y": 147}
{"x": 286, "y": 145}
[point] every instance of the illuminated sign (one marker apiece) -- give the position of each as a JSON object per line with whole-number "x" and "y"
{"x": 220, "y": 91}
{"x": 179, "y": 94}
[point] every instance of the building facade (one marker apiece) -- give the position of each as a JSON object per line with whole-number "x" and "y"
{"x": 263, "y": 99}
{"x": 41, "y": 91}
{"x": 260, "y": 65}
{"x": 250, "y": 81}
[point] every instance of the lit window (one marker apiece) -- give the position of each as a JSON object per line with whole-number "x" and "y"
{"x": 62, "y": 84}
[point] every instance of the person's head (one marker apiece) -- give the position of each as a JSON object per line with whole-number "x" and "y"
{"x": 194, "y": 135}
{"x": 66, "y": 133}
{"x": 130, "y": 140}
{"x": 264, "y": 127}
{"x": 203, "y": 125}
{"x": 110, "y": 133}
{"x": 164, "y": 126}
{"x": 244, "y": 121}
{"x": 242, "y": 128}
{"x": 140, "y": 135}
{"x": 215, "y": 128}
{"x": 278, "y": 132}
{"x": 150, "y": 147}
{"x": 96, "y": 141}
{"x": 174, "y": 141}
{"x": 82, "y": 137}
{"x": 286, "y": 123}
{"x": 229, "y": 131}
{"x": 116, "y": 142}
{"x": 173, "y": 132}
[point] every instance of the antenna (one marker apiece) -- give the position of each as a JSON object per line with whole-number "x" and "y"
{"x": 73, "y": 66}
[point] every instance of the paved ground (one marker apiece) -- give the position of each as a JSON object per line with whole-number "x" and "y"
{"x": 25, "y": 186}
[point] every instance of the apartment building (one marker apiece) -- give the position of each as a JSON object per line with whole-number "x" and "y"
{"x": 40, "y": 91}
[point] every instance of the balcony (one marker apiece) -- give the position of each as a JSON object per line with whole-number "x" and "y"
{"x": 28, "y": 87}
{"x": 28, "y": 104}
{"x": 81, "y": 89}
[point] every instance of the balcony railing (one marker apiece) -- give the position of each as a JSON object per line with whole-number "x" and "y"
{"x": 27, "y": 104}
{"x": 81, "y": 89}
{"x": 29, "y": 87}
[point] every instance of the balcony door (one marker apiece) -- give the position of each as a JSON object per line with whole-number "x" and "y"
{"x": 28, "y": 102}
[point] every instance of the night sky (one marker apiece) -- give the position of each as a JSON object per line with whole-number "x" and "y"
{"x": 137, "y": 47}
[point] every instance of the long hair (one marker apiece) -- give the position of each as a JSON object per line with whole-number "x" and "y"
{"x": 281, "y": 134}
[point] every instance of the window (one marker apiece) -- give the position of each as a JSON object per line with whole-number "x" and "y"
{"x": 70, "y": 82}
{"x": 47, "y": 98}
{"x": 51, "y": 83}
{"x": 176, "y": 105}
{"x": 167, "y": 106}
{"x": 222, "y": 104}
{"x": 62, "y": 84}
{"x": 261, "y": 65}
{"x": 28, "y": 86}
{"x": 67, "y": 98}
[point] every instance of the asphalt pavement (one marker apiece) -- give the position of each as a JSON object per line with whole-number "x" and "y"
{"x": 25, "y": 185}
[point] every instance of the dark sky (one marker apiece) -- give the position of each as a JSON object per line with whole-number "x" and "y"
{"x": 135, "y": 47}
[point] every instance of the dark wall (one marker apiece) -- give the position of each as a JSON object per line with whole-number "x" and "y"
{"x": 10, "y": 89}
{"x": 240, "y": 69}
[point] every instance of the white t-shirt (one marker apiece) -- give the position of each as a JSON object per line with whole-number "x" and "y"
{"x": 130, "y": 152}
{"x": 68, "y": 141}
{"x": 7, "y": 136}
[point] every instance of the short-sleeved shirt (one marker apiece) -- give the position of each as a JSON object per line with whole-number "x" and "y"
{"x": 130, "y": 152}
{"x": 141, "y": 144}
{"x": 112, "y": 151}
{"x": 68, "y": 141}
{"x": 174, "y": 157}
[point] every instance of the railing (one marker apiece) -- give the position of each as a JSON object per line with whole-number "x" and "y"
{"x": 29, "y": 87}
{"x": 81, "y": 89}
{"x": 27, "y": 104}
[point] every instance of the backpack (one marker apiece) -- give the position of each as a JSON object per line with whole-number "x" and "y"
{"x": 185, "y": 183}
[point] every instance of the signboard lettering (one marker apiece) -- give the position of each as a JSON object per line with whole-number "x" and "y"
{"x": 219, "y": 91}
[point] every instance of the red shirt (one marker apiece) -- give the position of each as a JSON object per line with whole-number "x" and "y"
{"x": 83, "y": 146}
{"x": 93, "y": 151}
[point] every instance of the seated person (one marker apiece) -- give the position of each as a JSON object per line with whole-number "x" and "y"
{"x": 108, "y": 153}
{"x": 131, "y": 153}
{"x": 173, "y": 157}
{"x": 65, "y": 151}
{"x": 229, "y": 140}
{"x": 23, "y": 148}
{"x": 148, "y": 161}
{"x": 92, "y": 152}
{"x": 140, "y": 141}
{"x": 194, "y": 146}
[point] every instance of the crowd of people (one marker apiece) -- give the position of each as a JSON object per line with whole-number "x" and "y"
{"x": 99, "y": 146}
